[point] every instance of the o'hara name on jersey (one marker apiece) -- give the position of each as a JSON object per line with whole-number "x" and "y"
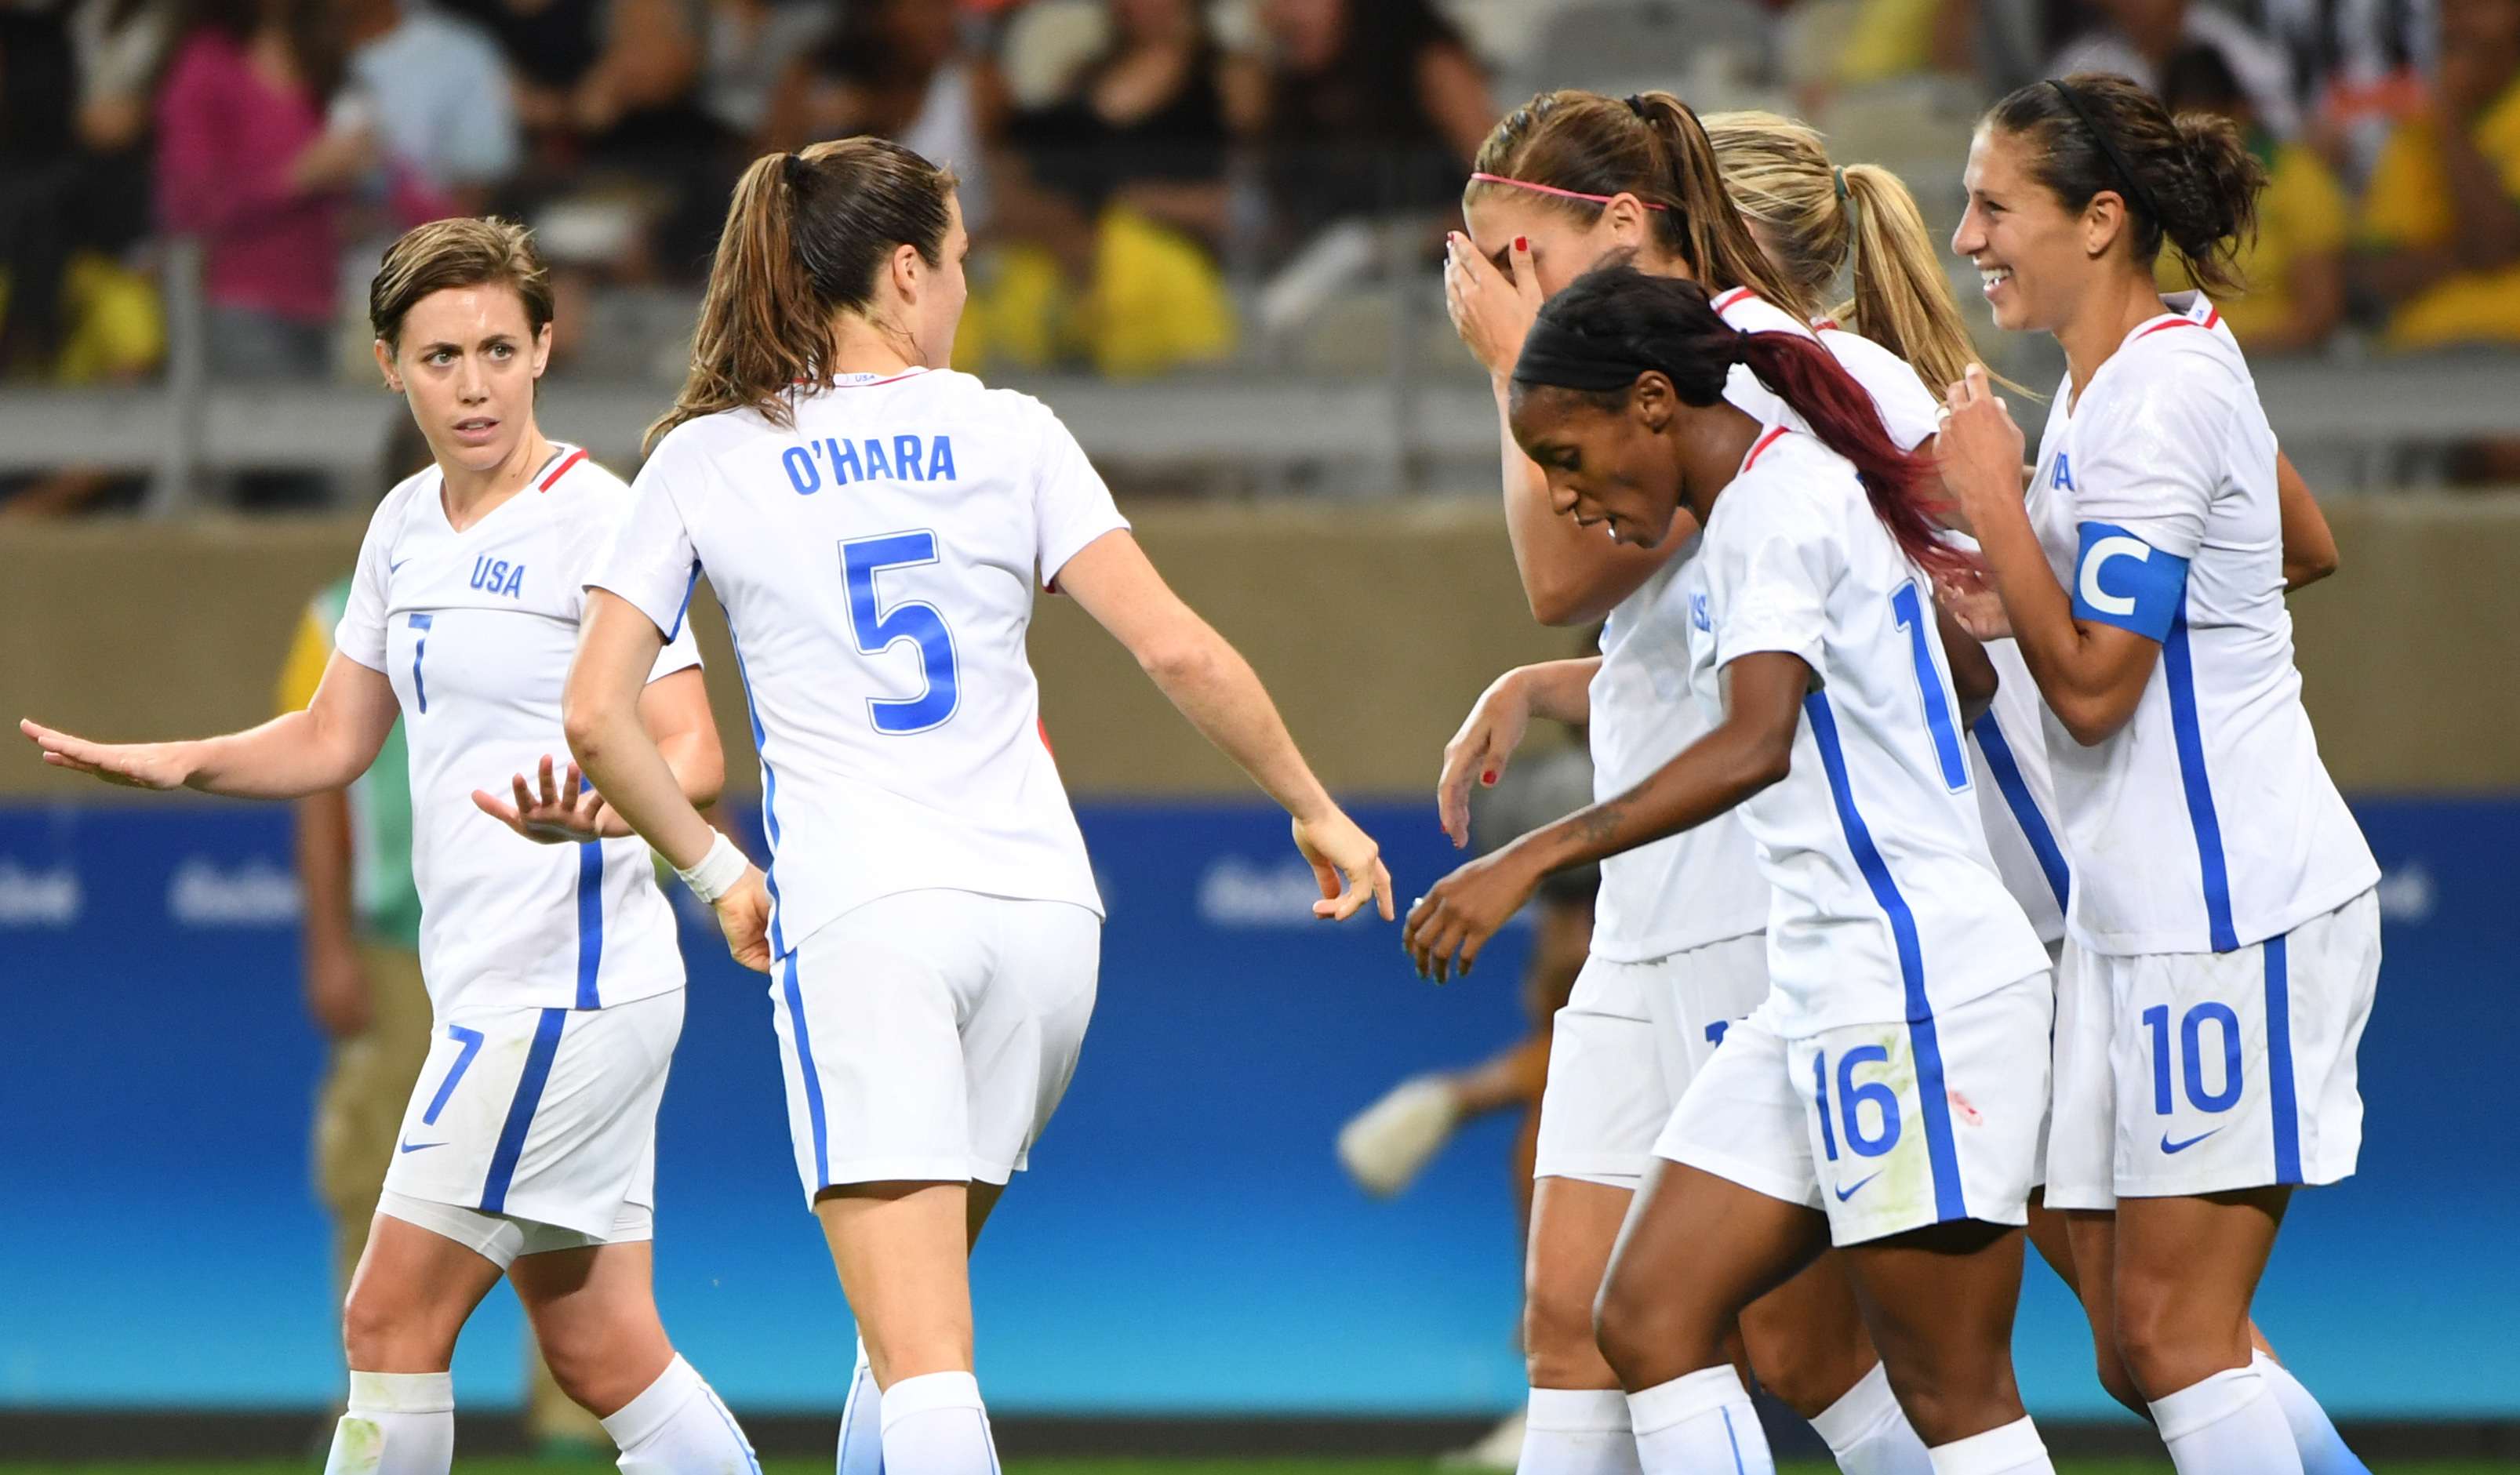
{"x": 838, "y": 461}
{"x": 499, "y": 576}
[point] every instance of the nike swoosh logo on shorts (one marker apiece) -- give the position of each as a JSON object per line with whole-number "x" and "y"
{"x": 2167, "y": 1146}
{"x": 416, "y": 1147}
{"x": 1843, "y": 1194}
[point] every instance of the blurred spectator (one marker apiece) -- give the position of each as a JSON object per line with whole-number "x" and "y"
{"x": 72, "y": 310}
{"x": 1115, "y": 201}
{"x": 898, "y": 69}
{"x": 1896, "y": 38}
{"x": 625, "y": 172}
{"x": 1372, "y": 106}
{"x": 247, "y": 160}
{"x": 2440, "y": 223}
{"x": 442, "y": 109}
{"x": 2295, "y": 264}
{"x": 2358, "y": 66}
{"x": 749, "y": 44}
{"x": 2138, "y": 39}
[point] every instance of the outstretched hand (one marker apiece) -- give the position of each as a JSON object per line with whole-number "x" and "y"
{"x": 559, "y": 812}
{"x": 1969, "y": 597}
{"x": 133, "y": 765}
{"x": 1483, "y": 748}
{"x": 1347, "y": 864}
{"x": 1493, "y": 315}
{"x": 1450, "y": 924}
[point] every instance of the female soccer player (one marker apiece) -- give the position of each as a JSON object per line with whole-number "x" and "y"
{"x": 529, "y": 1148}
{"x": 875, "y": 527}
{"x": 1888, "y": 1096}
{"x": 2224, "y": 932}
{"x": 1567, "y": 181}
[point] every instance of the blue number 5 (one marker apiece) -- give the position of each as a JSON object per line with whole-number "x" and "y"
{"x": 914, "y": 620}
{"x": 1930, "y": 682}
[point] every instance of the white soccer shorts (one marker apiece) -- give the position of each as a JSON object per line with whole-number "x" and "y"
{"x": 1624, "y": 1047}
{"x": 2190, "y": 1073}
{"x": 927, "y": 1036}
{"x": 1886, "y": 1128}
{"x": 545, "y": 1117}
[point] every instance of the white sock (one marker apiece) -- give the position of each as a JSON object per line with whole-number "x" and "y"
{"x": 1578, "y": 1431}
{"x": 861, "y": 1421}
{"x": 2314, "y": 1434}
{"x": 1699, "y": 1424}
{"x": 934, "y": 1424}
{"x": 679, "y": 1427}
{"x": 2014, "y": 1449}
{"x": 1869, "y": 1433}
{"x": 2226, "y": 1425}
{"x": 399, "y": 1423}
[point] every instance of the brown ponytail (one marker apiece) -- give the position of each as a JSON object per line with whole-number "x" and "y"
{"x": 2189, "y": 180}
{"x": 1650, "y": 146}
{"x": 1814, "y": 217}
{"x": 804, "y": 239}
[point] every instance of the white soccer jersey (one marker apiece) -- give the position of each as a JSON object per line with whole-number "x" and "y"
{"x": 878, "y": 562}
{"x": 1886, "y": 903}
{"x": 2207, "y": 822}
{"x": 475, "y": 630}
{"x": 2017, "y": 798}
{"x": 1693, "y": 888}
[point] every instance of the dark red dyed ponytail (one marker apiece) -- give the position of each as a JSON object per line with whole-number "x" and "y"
{"x": 1615, "y": 323}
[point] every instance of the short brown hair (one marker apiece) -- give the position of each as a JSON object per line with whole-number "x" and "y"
{"x": 459, "y": 252}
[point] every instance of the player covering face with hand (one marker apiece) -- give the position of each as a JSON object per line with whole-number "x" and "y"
{"x": 529, "y": 1148}
{"x": 1888, "y": 1096}
{"x": 876, "y": 527}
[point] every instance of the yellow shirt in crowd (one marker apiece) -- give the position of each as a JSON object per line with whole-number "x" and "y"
{"x": 2302, "y": 213}
{"x": 2410, "y": 206}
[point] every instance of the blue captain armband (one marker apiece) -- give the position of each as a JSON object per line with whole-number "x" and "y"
{"x": 2120, "y": 580}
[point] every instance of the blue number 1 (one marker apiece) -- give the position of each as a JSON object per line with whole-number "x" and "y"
{"x": 913, "y": 620}
{"x": 419, "y": 648}
{"x": 1938, "y": 705}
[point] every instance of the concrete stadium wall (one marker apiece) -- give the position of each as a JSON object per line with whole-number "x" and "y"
{"x": 1375, "y": 626}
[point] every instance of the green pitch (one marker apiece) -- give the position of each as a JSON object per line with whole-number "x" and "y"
{"x": 1103, "y": 1467}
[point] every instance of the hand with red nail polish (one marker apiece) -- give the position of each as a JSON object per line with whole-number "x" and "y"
{"x": 1492, "y": 308}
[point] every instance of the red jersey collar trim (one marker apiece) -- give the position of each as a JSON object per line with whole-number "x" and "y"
{"x": 571, "y": 456}
{"x": 1728, "y": 301}
{"x": 1774, "y": 433}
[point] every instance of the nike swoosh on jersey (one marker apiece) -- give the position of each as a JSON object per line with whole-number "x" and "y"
{"x": 397, "y": 567}
{"x": 1843, "y": 1194}
{"x": 2167, "y": 1146}
{"x": 416, "y": 1147}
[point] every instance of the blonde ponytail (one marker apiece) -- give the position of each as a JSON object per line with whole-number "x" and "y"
{"x": 1903, "y": 297}
{"x": 1815, "y": 217}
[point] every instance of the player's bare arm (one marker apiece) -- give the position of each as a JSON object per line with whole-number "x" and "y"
{"x": 1749, "y": 751}
{"x": 1216, "y": 689}
{"x": 563, "y": 809}
{"x": 602, "y": 711}
{"x": 2092, "y": 674}
{"x": 325, "y": 747}
{"x": 1559, "y": 690}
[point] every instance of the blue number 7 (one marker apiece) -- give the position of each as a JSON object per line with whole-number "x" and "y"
{"x": 419, "y": 648}
{"x": 914, "y": 620}
{"x": 1930, "y": 682}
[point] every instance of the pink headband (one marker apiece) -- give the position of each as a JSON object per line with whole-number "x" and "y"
{"x": 1525, "y": 184}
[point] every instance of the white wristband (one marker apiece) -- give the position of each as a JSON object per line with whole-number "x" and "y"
{"x": 717, "y": 872}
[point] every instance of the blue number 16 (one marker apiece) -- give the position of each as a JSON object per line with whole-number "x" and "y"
{"x": 1930, "y": 682}
{"x": 914, "y": 620}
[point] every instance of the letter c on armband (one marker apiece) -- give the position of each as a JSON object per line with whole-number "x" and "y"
{"x": 2124, "y": 581}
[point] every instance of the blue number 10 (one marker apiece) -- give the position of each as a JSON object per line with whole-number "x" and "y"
{"x": 1930, "y": 682}
{"x": 914, "y": 620}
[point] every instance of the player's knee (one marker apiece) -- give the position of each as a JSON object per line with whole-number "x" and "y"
{"x": 385, "y": 1333}
{"x": 1647, "y": 1335}
{"x": 1808, "y": 1373}
{"x": 2159, "y": 1351}
{"x": 1557, "y": 1318}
